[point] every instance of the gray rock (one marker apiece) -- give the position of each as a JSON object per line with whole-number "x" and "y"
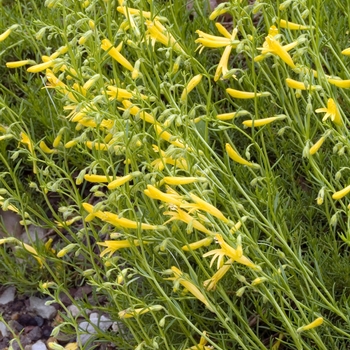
{"x": 74, "y": 310}
{"x": 45, "y": 311}
{"x": 34, "y": 233}
{"x": 9, "y": 224}
{"x": 3, "y": 329}
{"x": 39, "y": 345}
{"x": 34, "y": 334}
{"x": 15, "y": 326}
{"x": 101, "y": 322}
{"x": 8, "y": 295}
{"x": 23, "y": 342}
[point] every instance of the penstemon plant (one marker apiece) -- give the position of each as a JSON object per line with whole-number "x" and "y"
{"x": 189, "y": 165}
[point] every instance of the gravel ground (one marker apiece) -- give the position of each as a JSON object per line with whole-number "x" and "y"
{"x": 28, "y": 322}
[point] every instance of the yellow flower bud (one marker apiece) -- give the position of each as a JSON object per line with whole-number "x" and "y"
{"x": 311, "y": 325}
{"x": 340, "y": 194}
{"x": 190, "y": 86}
{"x": 17, "y": 64}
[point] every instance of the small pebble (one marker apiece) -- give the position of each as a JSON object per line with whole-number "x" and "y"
{"x": 82, "y": 292}
{"x": 26, "y": 320}
{"x": 45, "y": 311}
{"x": 34, "y": 334}
{"x": 46, "y": 331}
{"x": 3, "y": 329}
{"x": 15, "y": 326}
{"x": 39, "y": 320}
{"x": 102, "y": 322}
{"x": 39, "y": 345}
{"x": 74, "y": 310}
{"x": 8, "y": 295}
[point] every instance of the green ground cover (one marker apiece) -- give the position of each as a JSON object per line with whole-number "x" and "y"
{"x": 190, "y": 165}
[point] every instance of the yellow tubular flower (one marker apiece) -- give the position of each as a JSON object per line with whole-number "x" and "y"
{"x": 217, "y": 12}
{"x": 180, "y": 277}
{"x": 317, "y": 145}
{"x": 168, "y": 137}
{"x": 113, "y": 246}
{"x": 154, "y": 193}
{"x": 238, "y": 225}
{"x": 89, "y": 122}
{"x": 33, "y": 251}
{"x": 188, "y": 219}
{"x": 71, "y": 71}
{"x": 119, "y": 181}
{"x": 91, "y": 24}
{"x": 246, "y": 95}
{"x": 223, "y": 31}
{"x": 95, "y": 178}
{"x": 134, "y": 12}
{"x": 205, "y": 206}
{"x": 229, "y": 116}
{"x": 27, "y": 247}
{"x": 159, "y": 33}
{"x": 45, "y": 148}
{"x": 96, "y": 145}
{"x": 190, "y": 86}
{"x": 294, "y": 84}
{"x": 118, "y": 93}
{"x": 331, "y": 111}
{"x": 115, "y": 220}
{"x": 134, "y": 110}
{"x": 274, "y": 47}
{"x": 311, "y": 325}
{"x": 205, "y": 42}
{"x": 88, "y": 84}
{"x": 26, "y": 140}
{"x": 260, "y": 122}
{"x": 277, "y": 344}
{"x": 290, "y": 46}
{"x": 234, "y": 254}
{"x": 53, "y": 80}
{"x": 212, "y": 282}
{"x": 68, "y": 222}
{"x": 88, "y": 207}
{"x": 237, "y": 158}
{"x": 292, "y": 26}
{"x": 17, "y": 64}
{"x": 66, "y": 250}
{"x": 284, "y": 5}
{"x": 213, "y": 41}
{"x": 89, "y": 217}
{"x": 222, "y": 66}
{"x": 106, "y": 45}
{"x": 71, "y": 144}
{"x": 40, "y": 67}
{"x": 273, "y": 31}
{"x": 178, "y": 180}
{"x": 201, "y": 345}
{"x": 258, "y": 280}
{"x": 9, "y": 206}
{"x": 340, "y": 83}
{"x": 136, "y": 72}
{"x": 140, "y": 311}
{"x": 5, "y": 34}
{"x": 342, "y": 193}
{"x": 196, "y": 245}
{"x": 346, "y": 52}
